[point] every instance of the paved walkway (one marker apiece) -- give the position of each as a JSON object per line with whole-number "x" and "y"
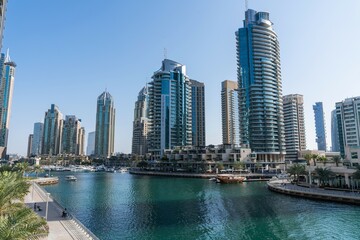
{"x": 59, "y": 228}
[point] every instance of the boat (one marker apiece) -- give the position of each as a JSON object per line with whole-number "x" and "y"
{"x": 123, "y": 170}
{"x": 212, "y": 179}
{"x": 70, "y": 178}
{"x": 230, "y": 178}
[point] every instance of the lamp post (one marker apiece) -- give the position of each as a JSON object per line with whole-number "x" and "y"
{"x": 309, "y": 177}
{"x": 32, "y": 191}
{"x": 47, "y": 205}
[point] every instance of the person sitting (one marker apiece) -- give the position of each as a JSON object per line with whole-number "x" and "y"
{"x": 64, "y": 213}
{"x": 39, "y": 208}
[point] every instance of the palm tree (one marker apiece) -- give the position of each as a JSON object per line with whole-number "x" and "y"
{"x": 296, "y": 170}
{"x": 314, "y": 158}
{"x": 324, "y": 175}
{"x": 308, "y": 158}
{"x": 22, "y": 167}
{"x": 239, "y": 166}
{"x": 22, "y": 224}
{"x": 37, "y": 169}
{"x": 322, "y": 159}
{"x": 337, "y": 160}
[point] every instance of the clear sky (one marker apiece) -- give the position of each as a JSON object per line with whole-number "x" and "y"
{"x": 68, "y": 52}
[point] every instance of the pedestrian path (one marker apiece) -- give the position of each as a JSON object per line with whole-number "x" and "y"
{"x": 60, "y": 228}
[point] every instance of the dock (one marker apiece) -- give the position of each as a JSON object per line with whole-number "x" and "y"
{"x": 60, "y": 228}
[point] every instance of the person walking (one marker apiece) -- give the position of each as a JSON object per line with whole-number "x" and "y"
{"x": 35, "y": 207}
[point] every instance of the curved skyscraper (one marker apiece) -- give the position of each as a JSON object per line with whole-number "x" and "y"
{"x": 140, "y": 124}
{"x": 260, "y": 88}
{"x": 169, "y": 108}
{"x": 105, "y": 126}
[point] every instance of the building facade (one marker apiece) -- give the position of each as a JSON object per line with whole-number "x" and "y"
{"x": 260, "y": 88}
{"x": 169, "y": 108}
{"x": 72, "y": 136}
{"x": 320, "y": 126}
{"x": 90, "y": 149}
{"x": 230, "y": 112}
{"x": 52, "y": 132}
{"x": 335, "y": 147}
{"x": 37, "y": 139}
{"x": 198, "y": 112}
{"x": 3, "y": 5}
{"x": 6, "y": 93}
{"x": 141, "y": 124}
{"x": 348, "y": 118}
{"x": 295, "y": 140}
{"x": 105, "y": 126}
{"x": 30, "y": 143}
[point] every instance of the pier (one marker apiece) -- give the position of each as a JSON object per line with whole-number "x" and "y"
{"x": 60, "y": 228}
{"x": 315, "y": 193}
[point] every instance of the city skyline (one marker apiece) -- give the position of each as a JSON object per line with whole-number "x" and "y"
{"x": 67, "y": 71}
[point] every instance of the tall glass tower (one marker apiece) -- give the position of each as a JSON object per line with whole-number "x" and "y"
{"x": 260, "y": 88}
{"x": 230, "y": 112}
{"x": 37, "y": 138}
{"x": 198, "y": 113}
{"x": 52, "y": 133}
{"x": 140, "y": 124}
{"x": 320, "y": 126}
{"x": 169, "y": 108}
{"x": 72, "y": 136}
{"x": 6, "y": 93}
{"x": 105, "y": 126}
{"x": 335, "y": 146}
{"x": 3, "y": 4}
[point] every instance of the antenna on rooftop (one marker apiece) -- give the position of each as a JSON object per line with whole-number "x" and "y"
{"x": 246, "y": 5}
{"x": 165, "y": 53}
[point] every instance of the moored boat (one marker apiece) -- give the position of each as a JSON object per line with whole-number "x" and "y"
{"x": 70, "y": 178}
{"x": 230, "y": 178}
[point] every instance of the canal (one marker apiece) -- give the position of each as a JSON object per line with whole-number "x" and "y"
{"x": 124, "y": 206}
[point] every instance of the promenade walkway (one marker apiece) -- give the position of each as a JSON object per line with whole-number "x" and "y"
{"x": 316, "y": 193}
{"x": 60, "y": 228}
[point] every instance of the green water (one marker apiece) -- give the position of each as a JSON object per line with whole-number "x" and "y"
{"x": 124, "y": 206}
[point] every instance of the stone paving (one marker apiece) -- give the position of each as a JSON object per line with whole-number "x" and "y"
{"x": 60, "y": 228}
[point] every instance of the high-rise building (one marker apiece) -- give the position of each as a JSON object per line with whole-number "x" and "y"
{"x": 6, "y": 93}
{"x": 3, "y": 5}
{"x": 348, "y": 119}
{"x": 260, "y": 88}
{"x": 30, "y": 142}
{"x": 169, "y": 108}
{"x": 140, "y": 124}
{"x": 37, "y": 138}
{"x": 105, "y": 126}
{"x": 294, "y": 125}
{"x": 198, "y": 112}
{"x": 90, "y": 149}
{"x": 72, "y": 136}
{"x": 52, "y": 133}
{"x": 230, "y": 112}
{"x": 320, "y": 126}
{"x": 335, "y": 147}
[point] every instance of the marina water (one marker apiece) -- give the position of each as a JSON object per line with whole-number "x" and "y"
{"x": 125, "y": 206}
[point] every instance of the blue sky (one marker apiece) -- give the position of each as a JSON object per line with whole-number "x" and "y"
{"x": 69, "y": 51}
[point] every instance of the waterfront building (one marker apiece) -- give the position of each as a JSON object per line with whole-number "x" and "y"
{"x": 335, "y": 147}
{"x": 30, "y": 143}
{"x": 6, "y": 93}
{"x": 105, "y": 126}
{"x": 3, "y": 5}
{"x": 230, "y": 112}
{"x": 72, "y": 136}
{"x": 169, "y": 108}
{"x": 198, "y": 112}
{"x": 140, "y": 124}
{"x": 294, "y": 123}
{"x": 90, "y": 149}
{"x": 347, "y": 113}
{"x": 320, "y": 125}
{"x": 37, "y": 139}
{"x": 260, "y": 88}
{"x": 52, "y": 132}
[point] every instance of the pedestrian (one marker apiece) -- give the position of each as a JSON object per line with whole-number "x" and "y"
{"x": 64, "y": 213}
{"x": 34, "y": 206}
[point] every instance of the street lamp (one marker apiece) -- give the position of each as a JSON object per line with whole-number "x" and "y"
{"x": 47, "y": 205}
{"x": 32, "y": 192}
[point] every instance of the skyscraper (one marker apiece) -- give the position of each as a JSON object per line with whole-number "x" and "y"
{"x": 6, "y": 92}
{"x": 105, "y": 126}
{"x": 3, "y": 4}
{"x": 72, "y": 136}
{"x": 294, "y": 125}
{"x": 320, "y": 126}
{"x": 90, "y": 150}
{"x": 169, "y": 108}
{"x": 347, "y": 113}
{"x": 140, "y": 124}
{"x": 37, "y": 138}
{"x": 30, "y": 142}
{"x": 52, "y": 133}
{"x": 198, "y": 112}
{"x": 334, "y": 132}
{"x": 230, "y": 112}
{"x": 260, "y": 88}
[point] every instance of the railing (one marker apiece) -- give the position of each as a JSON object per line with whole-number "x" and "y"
{"x": 43, "y": 195}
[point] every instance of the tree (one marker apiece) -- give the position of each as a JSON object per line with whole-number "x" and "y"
{"x": 337, "y": 160}
{"x": 22, "y": 167}
{"x": 314, "y": 158}
{"x": 239, "y": 166}
{"x": 308, "y": 158}
{"x": 356, "y": 175}
{"x": 322, "y": 159}
{"x": 142, "y": 164}
{"x": 296, "y": 170}
{"x": 324, "y": 175}
{"x": 37, "y": 169}
{"x": 220, "y": 166}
